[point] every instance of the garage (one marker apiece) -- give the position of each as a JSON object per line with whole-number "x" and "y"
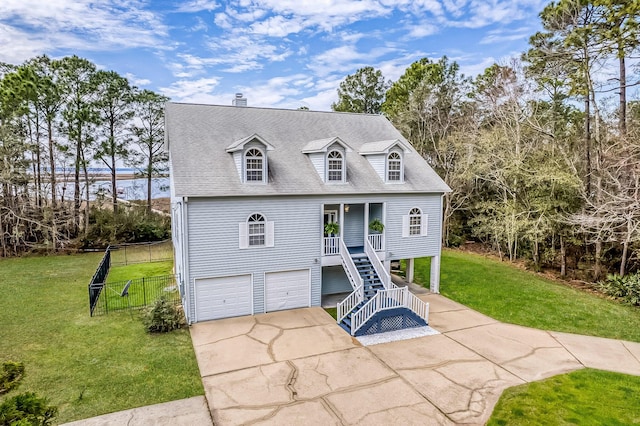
{"x": 223, "y": 297}
{"x": 287, "y": 290}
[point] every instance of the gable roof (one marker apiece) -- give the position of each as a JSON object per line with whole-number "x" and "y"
{"x": 381, "y": 147}
{"x": 240, "y": 143}
{"x": 321, "y": 145}
{"x": 198, "y": 136}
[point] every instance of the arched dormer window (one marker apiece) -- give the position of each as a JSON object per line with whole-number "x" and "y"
{"x": 254, "y": 165}
{"x": 335, "y": 166}
{"x": 414, "y": 224}
{"x": 394, "y": 167}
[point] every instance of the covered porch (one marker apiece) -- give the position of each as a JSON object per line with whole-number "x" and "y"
{"x": 353, "y": 223}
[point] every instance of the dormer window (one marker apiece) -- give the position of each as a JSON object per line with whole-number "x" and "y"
{"x": 335, "y": 166}
{"x": 250, "y": 158}
{"x": 394, "y": 167}
{"x": 387, "y": 158}
{"x": 254, "y": 165}
{"x": 328, "y": 158}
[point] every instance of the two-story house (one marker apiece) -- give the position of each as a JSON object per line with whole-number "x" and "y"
{"x": 273, "y": 209}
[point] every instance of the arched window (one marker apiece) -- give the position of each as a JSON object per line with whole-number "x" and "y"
{"x": 415, "y": 221}
{"x": 335, "y": 166}
{"x": 256, "y": 229}
{"x": 394, "y": 167}
{"x": 254, "y": 165}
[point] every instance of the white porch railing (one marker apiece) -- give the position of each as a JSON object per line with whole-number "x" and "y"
{"x": 382, "y": 272}
{"x": 350, "y": 302}
{"x": 331, "y": 245}
{"x": 398, "y": 297}
{"x": 350, "y": 268}
{"x": 377, "y": 241}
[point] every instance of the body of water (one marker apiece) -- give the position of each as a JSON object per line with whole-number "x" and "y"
{"x": 128, "y": 189}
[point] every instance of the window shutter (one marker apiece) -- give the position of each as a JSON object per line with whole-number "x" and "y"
{"x": 405, "y": 226}
{"x": 423, "y": 224}
{"x": 269, "y": 237}
{"x": 243, "y": 233}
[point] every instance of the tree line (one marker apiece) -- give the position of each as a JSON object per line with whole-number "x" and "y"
{"x": 57, "y": 118}
{"x": 542, "y": 153}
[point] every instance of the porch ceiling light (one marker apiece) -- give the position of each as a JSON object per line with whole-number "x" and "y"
{"x": 346, "y": 208}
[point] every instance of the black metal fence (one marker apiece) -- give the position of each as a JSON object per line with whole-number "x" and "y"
{"x": 135, "y": 293}
{"x": 131, "y": 253}
{"x": 97, "y": 281}
{"x": 106, "y": 297}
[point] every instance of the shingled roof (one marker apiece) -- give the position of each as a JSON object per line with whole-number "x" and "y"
{"x": 198, "y": 136}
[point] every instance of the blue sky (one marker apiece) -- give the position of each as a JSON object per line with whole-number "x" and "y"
{"x": 279, "y": 53}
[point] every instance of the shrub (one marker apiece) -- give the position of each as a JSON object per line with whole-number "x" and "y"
{"x": 10, "y": 376}
{"x": 163, "y": 316}
{"x": 129, "y": 225}
{"x": 625, "y": 288}
{"x": 26, "y": 409}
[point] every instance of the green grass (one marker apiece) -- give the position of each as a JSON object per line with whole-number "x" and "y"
{"x": 86, "y": 366}
{"x": 139, "y": 270}
{"x": 586, "y": 397}
{"x": 333, "y": 312}
{"x": 516, "y": 296}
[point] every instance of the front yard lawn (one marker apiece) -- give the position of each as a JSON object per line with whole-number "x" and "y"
{"x": 509, "y": 294}
{"x": 86, "y": 366}
{"x": 587, "y": 396}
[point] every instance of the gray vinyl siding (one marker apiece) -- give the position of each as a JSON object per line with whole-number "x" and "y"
{"x": 318, "y": 161}
{"x": 212, "y": 238}
{"x": 214, "y": 241}
{"x": 237, "y": 159}
{"x": 378, "y": 162}
{"x": 354, "y": 226}
{"x": 334, "y": 280}
{"x": 398, "y": 247}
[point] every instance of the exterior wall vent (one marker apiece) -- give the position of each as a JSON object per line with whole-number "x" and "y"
{"x": 239, "y": 101}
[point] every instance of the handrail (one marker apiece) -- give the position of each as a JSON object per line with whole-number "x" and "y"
{"x": 398, "y": 297}
{"x": 364, "y": 314}
{"x": 378, "y": 266}
{"x": 347, "y": 305}
{"x": 352, "y": 272}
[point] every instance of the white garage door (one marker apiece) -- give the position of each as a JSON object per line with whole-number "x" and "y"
{"x": 223, "y": 297}
{"x": 287, "y": 290}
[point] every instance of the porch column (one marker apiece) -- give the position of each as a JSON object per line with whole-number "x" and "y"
{"x": 366, "y": 224}
{"x": 434, "y": 276}
{"x": 410, "y": 270}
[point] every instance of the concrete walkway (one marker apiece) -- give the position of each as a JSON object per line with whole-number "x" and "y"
{"x": 299, "y": 366}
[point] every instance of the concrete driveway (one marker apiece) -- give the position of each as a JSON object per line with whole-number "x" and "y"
{"x": 299, "y": 367}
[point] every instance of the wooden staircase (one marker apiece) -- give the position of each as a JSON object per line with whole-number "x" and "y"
{"x": 388, "y": 312}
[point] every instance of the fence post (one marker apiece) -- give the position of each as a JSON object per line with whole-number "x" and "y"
{"x": 144, "y": 292}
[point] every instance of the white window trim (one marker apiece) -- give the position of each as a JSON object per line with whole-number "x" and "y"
{"x": 343, "y": 165}
{"x": 386, "y": 168}
{"x": 243, "y": 233}
{"x": 424, "y": 220}
{"x": 264, "y": 166}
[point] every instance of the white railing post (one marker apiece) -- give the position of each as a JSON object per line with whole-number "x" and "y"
{"x": 350, "y": 268}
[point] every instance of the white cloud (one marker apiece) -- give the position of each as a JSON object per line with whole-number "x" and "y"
{"x": 505, "y": 35}
{"x": 190, "y": 90}
{"x": 197, "y": 6}
{"x": 76, "y": 24}
{"x": 136, "y": 81}
{"x": 277, "y": 26}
